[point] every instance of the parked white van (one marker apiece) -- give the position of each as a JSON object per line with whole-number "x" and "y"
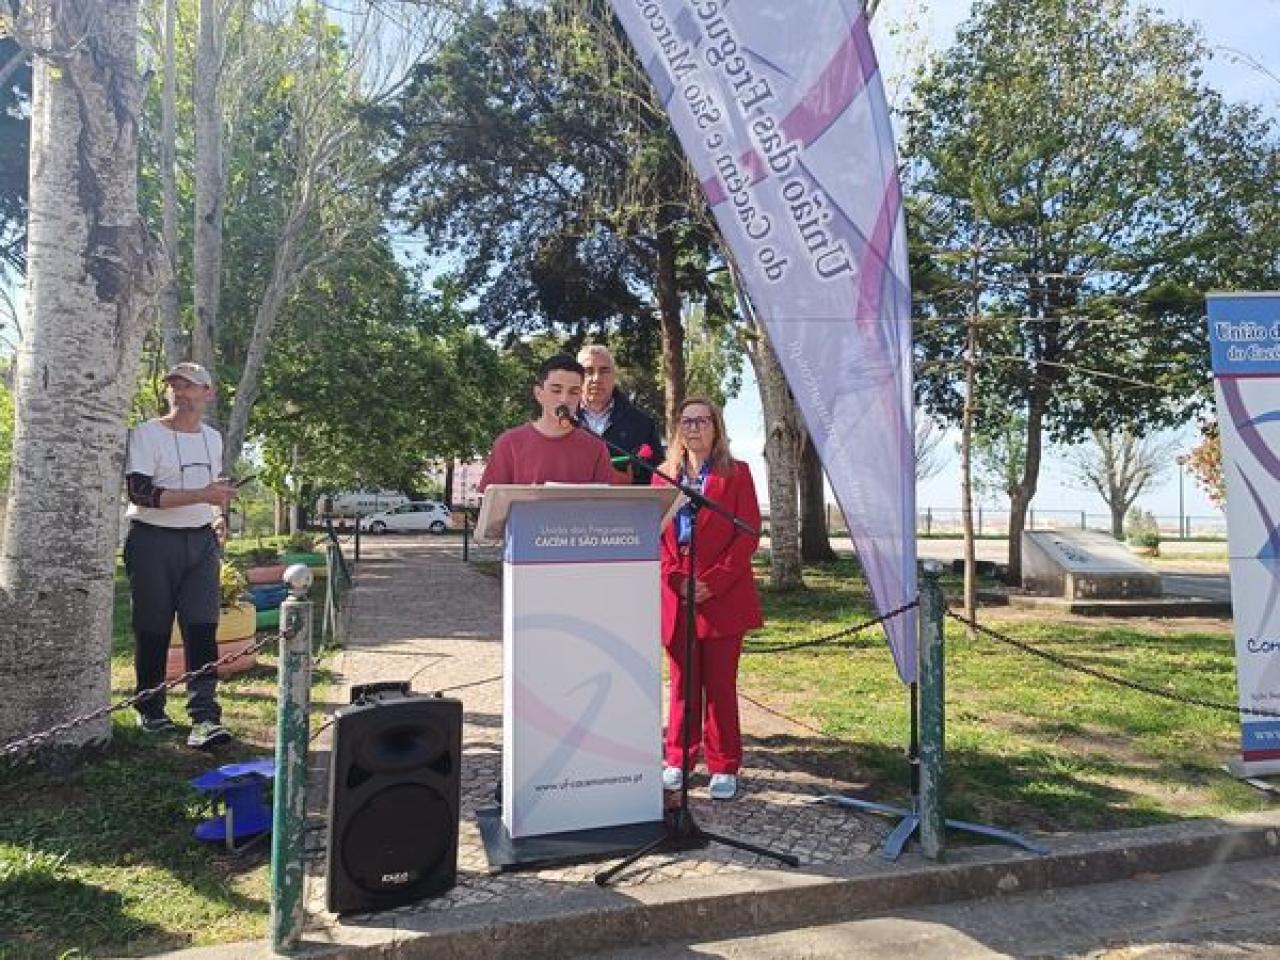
{"x": 358, "y": 503}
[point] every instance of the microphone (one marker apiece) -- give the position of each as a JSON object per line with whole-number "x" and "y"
{"x": 565, "y": 416}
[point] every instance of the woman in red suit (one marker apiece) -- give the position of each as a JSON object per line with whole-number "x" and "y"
{"x": 727, "y": 605}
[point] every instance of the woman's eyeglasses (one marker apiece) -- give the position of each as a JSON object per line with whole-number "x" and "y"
{"x": 694, "y": 423}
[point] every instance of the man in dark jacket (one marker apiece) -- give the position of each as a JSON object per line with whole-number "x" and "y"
{"x": 608, "y": 413}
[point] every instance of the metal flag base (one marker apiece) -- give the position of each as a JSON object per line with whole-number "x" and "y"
{"x": 910, "y": 823}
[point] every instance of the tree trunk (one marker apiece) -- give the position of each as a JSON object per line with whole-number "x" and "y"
{"x": 815, "y": 543}
{"x": 966, "y": 444}
{"x": 783, "y": 436}
{"x": 286, "y": 270}
{"x": 1022, "y": 495}
{"x": 170, "y": 327}
{"x": 1118, "y": 510}
{"x": 781, "y": 449}
{"x": 448, "y": 484}
{"x": 207, "y": 101}
{"x": 89, "y": 277}
{"x": 672, "y": 323}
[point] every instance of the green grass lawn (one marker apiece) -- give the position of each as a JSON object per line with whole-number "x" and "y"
{"x": 101, "y": 861}
{"x": 1029, "y": 744}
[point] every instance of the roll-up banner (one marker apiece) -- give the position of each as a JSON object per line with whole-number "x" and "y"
{"x": 1244, "y": 336}
{"x": 780, "y": 108}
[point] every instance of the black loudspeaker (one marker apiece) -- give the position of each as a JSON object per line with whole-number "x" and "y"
{"x": 394, "y": 784}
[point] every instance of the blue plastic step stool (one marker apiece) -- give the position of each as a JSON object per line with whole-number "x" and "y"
{"x": 241, "y": 789}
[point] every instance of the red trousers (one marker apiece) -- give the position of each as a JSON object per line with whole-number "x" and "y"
{"x": 715, "y": 694}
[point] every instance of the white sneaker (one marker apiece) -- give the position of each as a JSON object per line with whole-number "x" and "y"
{"x": 206, "y": 734}
{"x": 724, "y": 786}
{"x": 672, "y": 778}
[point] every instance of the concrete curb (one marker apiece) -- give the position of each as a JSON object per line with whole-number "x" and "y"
{"x": 586, "y": 920}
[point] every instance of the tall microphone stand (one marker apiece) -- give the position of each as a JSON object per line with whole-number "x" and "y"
{"x": 681, "y": 831}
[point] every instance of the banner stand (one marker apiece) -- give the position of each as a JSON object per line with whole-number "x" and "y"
{"x": 1244, "y": 342}
{"x": 927, "y": 703}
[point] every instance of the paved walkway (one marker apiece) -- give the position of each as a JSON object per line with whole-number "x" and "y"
{"x": 419, "y": 612}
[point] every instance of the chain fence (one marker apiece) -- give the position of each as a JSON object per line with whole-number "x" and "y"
{"x": 1068, "y": 664}
{"x": 832, "y": 639}
{"x": 19, "y": 749}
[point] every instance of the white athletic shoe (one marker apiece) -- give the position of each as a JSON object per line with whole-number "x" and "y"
{"x": 672, "y": 778}
{"x": 724, "y": 786}
{"x": 206, "y": 734}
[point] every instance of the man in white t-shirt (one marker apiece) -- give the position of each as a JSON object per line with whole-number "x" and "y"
{"x": 172, "y": 554}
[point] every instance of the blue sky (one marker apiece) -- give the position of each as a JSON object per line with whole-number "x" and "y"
{"x": 1238, "y": 30}
{"x": 1235, "y": 29}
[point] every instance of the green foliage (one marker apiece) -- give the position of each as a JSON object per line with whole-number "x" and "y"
{"x": 713, "y": 357}
{"x": 371, "y": 381}
{"x": 1102, "y": 187}
{"x": 262, "y": 556}
{"x": 532, "y": 148}
{"x": 300, "y": 542}
{"x": 1000, "y": 454}
{"x": 232, "y": 585}
{"x": 1141, "y": 529}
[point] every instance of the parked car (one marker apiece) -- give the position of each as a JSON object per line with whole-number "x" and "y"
{"x": 415, "y": 516}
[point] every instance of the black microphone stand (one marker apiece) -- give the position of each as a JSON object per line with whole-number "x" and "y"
{"x": 681, "y": 830}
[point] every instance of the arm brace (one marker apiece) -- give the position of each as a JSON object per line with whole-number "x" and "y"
{"x": 143, "y": 491}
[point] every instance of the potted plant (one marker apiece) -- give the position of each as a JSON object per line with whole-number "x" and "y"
{"x": 264, "y": 565}
{"x": 237, "y": 624}
{"x": 301, "y": 548}
{"x": 1143, "y": 533}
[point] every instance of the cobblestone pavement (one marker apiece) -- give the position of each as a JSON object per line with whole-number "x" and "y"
{"x": 420, "y": 612}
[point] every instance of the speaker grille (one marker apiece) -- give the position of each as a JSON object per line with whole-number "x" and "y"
{"x": 398, "y": 838}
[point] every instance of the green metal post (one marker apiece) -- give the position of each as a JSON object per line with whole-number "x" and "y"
{"x": 289, "y": 809}
{"x": 357, "y": 536}
{"x": 932, "y": 711}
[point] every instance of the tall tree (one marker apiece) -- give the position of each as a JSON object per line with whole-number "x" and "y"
{"x": 361, "y": 395}
{"x": 1120, "y": 465}
{"x": 210, "y": 177}
{"x": 170, "y": 324}
{"x": 534, "y": 149}
{"x": 1110, "y": 187}
{"x": 1205, "y": 463}
{"x": 815, "y": 542}
{"x": 784, "y": 439}
{"x": 87, "y": 259}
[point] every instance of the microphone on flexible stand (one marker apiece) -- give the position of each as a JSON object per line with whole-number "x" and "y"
{"x": 565, "y": 416}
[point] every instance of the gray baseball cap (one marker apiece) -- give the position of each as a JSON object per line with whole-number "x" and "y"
{"x": 190, "y": 371}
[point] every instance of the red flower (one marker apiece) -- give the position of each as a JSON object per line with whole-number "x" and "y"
{"x": 645, "y": 452}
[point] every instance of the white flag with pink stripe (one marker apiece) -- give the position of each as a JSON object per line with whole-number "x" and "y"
{"x": 780, "y": 108}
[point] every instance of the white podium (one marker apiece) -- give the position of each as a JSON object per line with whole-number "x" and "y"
{"x": 581, "y": 719}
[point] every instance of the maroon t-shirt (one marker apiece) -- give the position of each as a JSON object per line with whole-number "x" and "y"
{"x": 525, "y": 455}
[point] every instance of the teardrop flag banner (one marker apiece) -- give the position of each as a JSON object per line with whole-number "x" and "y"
{"x": 1244, "y": 340}
{"x": 780, "y": 107}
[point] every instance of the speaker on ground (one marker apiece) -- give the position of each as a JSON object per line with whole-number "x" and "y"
{"x": 394, "y": 785}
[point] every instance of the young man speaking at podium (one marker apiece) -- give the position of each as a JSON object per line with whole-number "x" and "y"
{"x": 551, "y": 449}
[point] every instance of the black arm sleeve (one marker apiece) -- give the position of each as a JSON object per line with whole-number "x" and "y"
{"x": 142, "y": 490}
